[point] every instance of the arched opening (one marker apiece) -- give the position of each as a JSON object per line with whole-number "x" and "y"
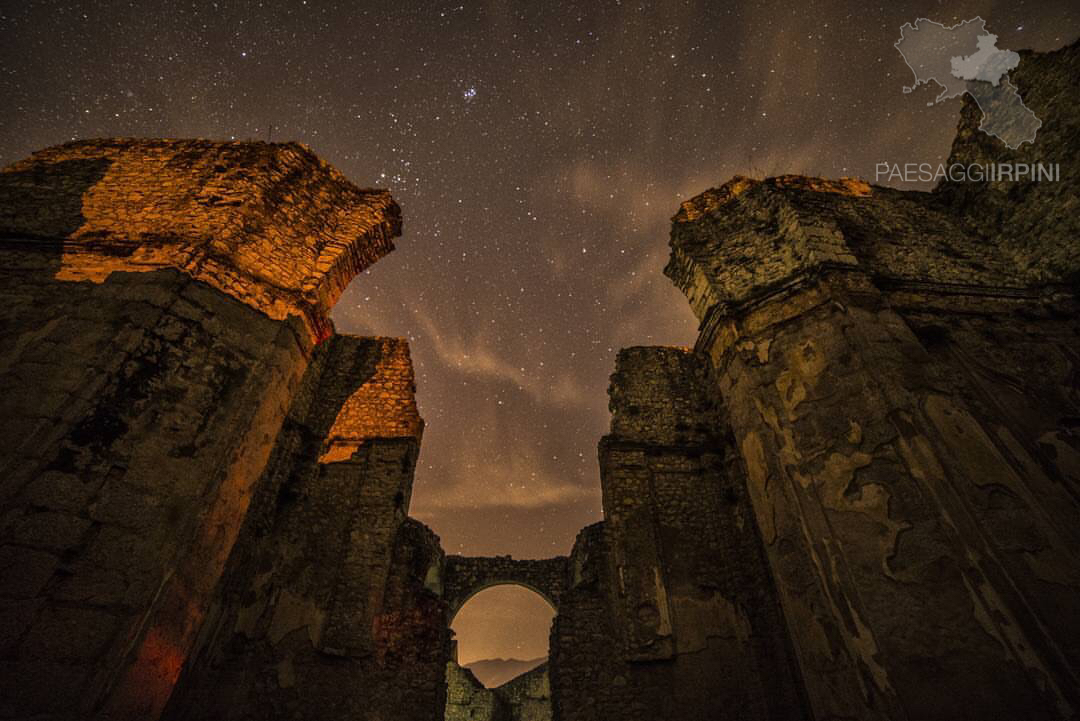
{"x": 501, "y": 636}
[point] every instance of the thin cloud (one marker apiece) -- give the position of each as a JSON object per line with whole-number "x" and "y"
{"x": 523, "y": 488}
{"x": 476, "y": 358}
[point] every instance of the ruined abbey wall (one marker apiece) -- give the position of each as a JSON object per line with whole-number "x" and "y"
{"x": 672, "y": 589}
{"x": 465, "y": 576}
{"x": 325, "y": 595}
{"x": 133, "y": 425}
{"x": 524, "y": 698}
{"x": 161, "y": 305}
{"x": 858, "y": 496}
{"x": 899, "y": 373}
{"x": 468, "y": 700}
{"x": 872, "y": 448}
{"x": 528, "y": 696}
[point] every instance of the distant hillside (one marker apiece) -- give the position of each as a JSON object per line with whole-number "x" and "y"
{"x": 493, "y": 672}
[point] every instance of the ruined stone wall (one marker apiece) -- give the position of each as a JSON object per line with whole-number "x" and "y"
{"x": 899, "y": 373}
{"x": 158, "y": 316}
{"x": 269, "y": 224}
{"x": 586, "y": 629}
{"x": 1031, "y": 221}
{"x": 673, "y": 590}
{"x": 468, "y": 700}
{"x": 328, "y": 591}
{"x": 465, "y": 576}
{"x": 528, "y": 697}
{"x": 133, "y": 427}
{"x": 524, "y": 698}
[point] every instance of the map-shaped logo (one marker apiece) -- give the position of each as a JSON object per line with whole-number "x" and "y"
{"x": 965, "y": 58}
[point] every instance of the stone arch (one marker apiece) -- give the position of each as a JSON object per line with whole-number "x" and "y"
{"x": 458, "y": 604}
{"x": 466, "y": 576}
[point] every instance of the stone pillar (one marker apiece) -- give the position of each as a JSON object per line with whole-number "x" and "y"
{"x": 585, "y": 629}
{"x": 687, "y": 582}
{"x": 919, "y": 574}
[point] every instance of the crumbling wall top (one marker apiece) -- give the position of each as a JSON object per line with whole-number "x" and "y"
{"x": 268, "y": 223}
{"x": 659, "y": 396}
{"x": 1036, "y": 220}
{"x": 714, "y": 198}
{"x": 749, "y": 239}
{"x": 384, "y": 406}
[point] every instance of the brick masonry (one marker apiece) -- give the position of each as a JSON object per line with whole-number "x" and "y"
{"x": 269, "y": 224}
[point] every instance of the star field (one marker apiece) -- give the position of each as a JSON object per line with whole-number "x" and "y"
{"x": 538, "y": 151}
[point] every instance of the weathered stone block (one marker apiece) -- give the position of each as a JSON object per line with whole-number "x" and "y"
{"x": 47, "y": 529}
{"x": 15, "y": 618}
{"x": 69, "y": 635}
{"x": 117, "y": 568}
{"x": 899, "y": 510}
{"x": 24, "y": 571}
{"x": 30, "y": 688}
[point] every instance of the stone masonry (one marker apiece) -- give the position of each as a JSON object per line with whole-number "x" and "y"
{"x": 468, "y": 700}
{"x": 900, "y": 376}
{"x": 269, "y": 225}
{"x": 857, "y": 496}
{"x": 524, "y": 698}
{"x": 325, "y": 595}
{"x": 465, "y": 576}
{"x": 672, "y": 590}
{"x": 161, "y": 304}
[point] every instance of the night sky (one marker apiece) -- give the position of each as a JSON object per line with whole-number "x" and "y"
{"x": 538, "y": 150}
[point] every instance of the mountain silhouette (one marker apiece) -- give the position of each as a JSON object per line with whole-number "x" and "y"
{"x": 494, "y": 672}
